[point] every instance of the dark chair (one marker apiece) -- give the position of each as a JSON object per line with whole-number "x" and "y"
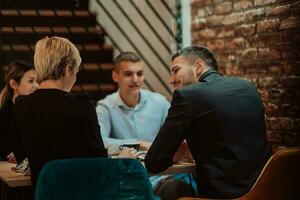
{"x": 279, "y": 179}
{"x": 93, "y": 178}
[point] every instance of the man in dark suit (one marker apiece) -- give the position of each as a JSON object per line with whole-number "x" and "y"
{"x": 222, "y": 120}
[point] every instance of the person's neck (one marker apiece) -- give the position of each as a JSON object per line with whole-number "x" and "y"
{"x": 14, "y": 97}
{"x": 54, "y": 84}
{"x": 131, "y": 100}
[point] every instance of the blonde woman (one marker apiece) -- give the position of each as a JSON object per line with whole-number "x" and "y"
{"x": 51, "y": 122}
{"x": 20, "y": 79}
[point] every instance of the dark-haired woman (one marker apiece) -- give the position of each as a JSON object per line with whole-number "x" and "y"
{"x": 20, "y": 79}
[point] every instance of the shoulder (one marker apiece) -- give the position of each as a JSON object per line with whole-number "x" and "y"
{"x": 108, "y": 101}
{"x": 80, "y": 99}
{"x": 154, "y": 96}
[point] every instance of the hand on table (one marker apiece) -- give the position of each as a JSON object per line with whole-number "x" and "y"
{"x": 11, "y": 158}
{"x": 128, "y": 153}
{"x": 144, "y": 146}
{"x": 183, "y": 153}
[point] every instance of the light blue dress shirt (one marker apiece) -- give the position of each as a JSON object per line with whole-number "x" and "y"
{"x": 121, "y": 124}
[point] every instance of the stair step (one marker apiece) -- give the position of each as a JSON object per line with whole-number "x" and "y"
{"x": 99, "y": 76}
{"x": 25, "y": 52}
{"x": 50, "y": 29}
{"x": 94, "y": 87}
{"x": 50, "y": 21}
{"x": 45, "y": 13}
{"x": 95, "y": 91}
{"x": 45, "y": 4}
{"x": 29, "y": 38}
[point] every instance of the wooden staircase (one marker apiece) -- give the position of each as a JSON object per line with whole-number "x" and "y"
{"x": 24, "y": 22}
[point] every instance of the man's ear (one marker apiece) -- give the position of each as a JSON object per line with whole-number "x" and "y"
{"x": 13, "y": 84}
{"x": 115, "y": 76}
{"x": 200, "y": 67}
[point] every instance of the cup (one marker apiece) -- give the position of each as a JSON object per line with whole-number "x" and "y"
{"x": 136, "y": 146}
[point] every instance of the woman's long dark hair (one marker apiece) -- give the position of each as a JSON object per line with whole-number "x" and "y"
{"x": 15, "y": 71}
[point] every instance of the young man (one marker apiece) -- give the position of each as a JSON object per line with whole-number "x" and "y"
{"x": 132, "y": 114}
{"x": 222, "y": 120}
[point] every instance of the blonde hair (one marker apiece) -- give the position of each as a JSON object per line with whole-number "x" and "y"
{"x": 52, "y": 55}
{"x": 15, "y": 71}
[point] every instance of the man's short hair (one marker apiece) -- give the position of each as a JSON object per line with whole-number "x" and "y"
{"x": 52, "y": 55}
{"x": 195, "y": 52}
{"x": 126, "y": 56}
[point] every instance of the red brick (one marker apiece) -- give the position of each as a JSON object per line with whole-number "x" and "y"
{"x": 292, "y": 138}
{"x": 276, "y": 94}
{"x": 216, "y": 44}
{"x": 262, "y": 68}
{"x": 257, "y": 41}
{"x": 215, "y": 20}
{"x": 225, "y": 32}
{"x": 289, "y": 109}
{"x": 286, "y": 38}
{"x": 292, "y": 68}
{"x": 236, "y": 70}
{"x": 233, "y": 18}
{"x": 209, "y": 10}
{"x": 223, "y": 57}
{"x": 245, "y": 30}
{"x": 263, "y": 53}
{"x": 198, "y": 2}
{"x": 272, "y": 40}
{"x": 201, "y": 13}
{"x": 250, "y": 68}
{"x": 279, "y": 11}
{"x": 271, "y": 108}
{"x": 296, "y": 37}
{"x": 223, "y": 7}
{"x": 281, "y": 123}
{"x": 269, "y": 82}
{"x": 289, "y": 23}
{"x": 296, "y": 8}
{"x": 207, "y": 34}
{"x": 195, "y": 37}
{"x": 263, "y": 2}
{"x": 247, "y": 54}
{"x": 275, "y": 136}
{"x": 267, "y": 26}
{"x": 254, "y": 15}
{"x": 292, "y": 52}
{"x": 198, "y": 23}
{"x": 297, "y": 124}
{"x": 290, "y": 95}
{"x": 269, "y": 54}
{"x": 236, "y": 43}
{"x": 242, "y": 4}
{"x": 291, "y": 82}
{"x": 275, "y": 68}
{"x": 264, "y": 94}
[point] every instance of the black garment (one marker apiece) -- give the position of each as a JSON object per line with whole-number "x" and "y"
{"x": 6, "y": 118}
{"x": 53, "y": 124}
{"x": 222, "y": 120}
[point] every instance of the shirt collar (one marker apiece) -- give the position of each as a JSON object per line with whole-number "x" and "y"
{"x": 207, "y": 73}
{"x": 142, "y": 101}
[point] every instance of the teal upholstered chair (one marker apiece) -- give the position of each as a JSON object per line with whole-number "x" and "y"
{"x": 93, "y": 178}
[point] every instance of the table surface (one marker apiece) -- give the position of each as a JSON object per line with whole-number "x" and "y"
{"x": 11, "y": 178}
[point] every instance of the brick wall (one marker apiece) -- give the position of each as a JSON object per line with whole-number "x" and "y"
{"x": 258, "y": 40}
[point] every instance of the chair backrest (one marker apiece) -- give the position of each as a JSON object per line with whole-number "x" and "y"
{"x": 279, "y": 179}
{"x": 93, "y": 178}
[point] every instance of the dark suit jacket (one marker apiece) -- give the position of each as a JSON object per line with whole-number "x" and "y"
{"x": 222, "y": 120}
{"x": 53, "y": 124}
